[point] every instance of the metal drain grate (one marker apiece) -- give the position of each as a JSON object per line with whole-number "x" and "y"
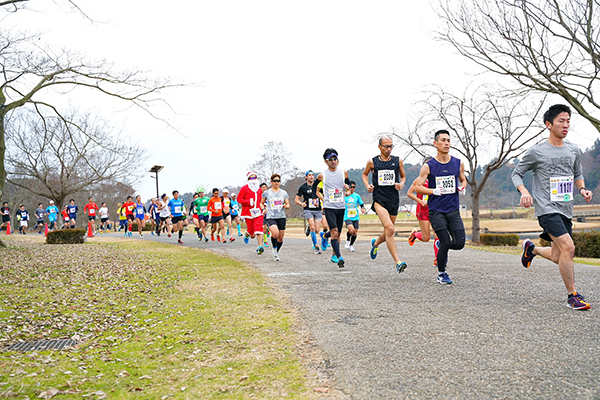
{"x": 46, "y": 344}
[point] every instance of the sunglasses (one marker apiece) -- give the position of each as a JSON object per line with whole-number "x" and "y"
{"x": 334, "y": 158}
{"x": 252, "y": 178}
{"x": 353, "y": 187}
{"x": 275, "y": 181}
{"x": 388, "y": 146}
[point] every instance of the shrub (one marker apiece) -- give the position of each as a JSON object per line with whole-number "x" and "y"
{"x": 492, "y": 239}
{"x": 145, "y": 228}
{"x": 66, "y": 236}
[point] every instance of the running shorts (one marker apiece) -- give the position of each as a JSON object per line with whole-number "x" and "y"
{"x": 390, "y": 206}
{"x": 555, "y": 225}
{"x": 279, "y": 222}
{"x": 254, "y": 225}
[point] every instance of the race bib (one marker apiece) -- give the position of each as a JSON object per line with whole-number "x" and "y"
{"x": 561, "y": 188}
{"x": 92, "y": 211}
{"x": 386, "y": 177}
{"x": 255, "y": 212}
{"x": 218, "y": 205}
{"x": 446, "y": 183}
{"x": 276, "y": 204}
{"x": 352, "y": 212}
{"x": 203, "y": 209}
{"x": 336, "y": 195}
{"x": 177, "y": 209}
{"x": 235, "y": 207}
{"x": 313, "y": 203}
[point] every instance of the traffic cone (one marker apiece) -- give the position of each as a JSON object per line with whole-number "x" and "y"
{"x": 45, "y": 229}
{"x": 90, "y": 233}
{"x": 8, "y": 228}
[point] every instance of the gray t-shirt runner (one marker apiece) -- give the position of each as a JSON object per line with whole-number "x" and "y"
{"x": 555, "y": 170}
{"x": 274, "y": 202}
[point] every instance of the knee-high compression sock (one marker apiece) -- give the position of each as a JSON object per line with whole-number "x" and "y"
{"x": 278, "y": 245}
{"x": 274, "y": 242}
{"x": 335, "y": 245}
{"x": 238, "y": 227}
{"x": 352, "y": 240}
{"x": 180, "y": 233}
{"x": 313, "y": 237}
{"x": 348, "y": 235}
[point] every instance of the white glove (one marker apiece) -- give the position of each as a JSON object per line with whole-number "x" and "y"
{"x": 462, "y": 190}
{"x": 437, "y": 191}
{"x": 251, "y": 202}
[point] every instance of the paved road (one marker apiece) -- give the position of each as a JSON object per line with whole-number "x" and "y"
{"x": 499, "y": 331}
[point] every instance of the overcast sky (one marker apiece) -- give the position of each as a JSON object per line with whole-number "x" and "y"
{"x": 311, "y": 74}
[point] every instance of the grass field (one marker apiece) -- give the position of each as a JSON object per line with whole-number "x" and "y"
{"x": 156, "y": 321}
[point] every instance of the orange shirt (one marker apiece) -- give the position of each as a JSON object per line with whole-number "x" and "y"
{"x": 215, "y": 206}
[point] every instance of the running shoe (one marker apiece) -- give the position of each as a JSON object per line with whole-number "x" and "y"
{"x": 266, "y": 244}
{"x": 334, "y": 259}
{"x": 126, "y": 233}
{"x": 200, "y": 238}
{"x": 212, "y": 237}
{"x": 246, "y": 238}
{"x": 577, "y": 302}
{"x": 224, "y": 241}
{"x": 444, "y": 279}
{"x": 274, "y": 251}
{"x": 205, "y": 239}
{"x": 168, "y": 235}
{"x": 347, "y": 245}
{"x": 340, "y": 262}
{"x": 412, "y": 237}
{"x": 351, "y": 248}
{"x": 276, "y": 257}
{"x": 218, "y": 238}
{"x": 401, "y": 266}
{"x": 152, "y": 232}
{"x": 324, "y": 241}
{"x": 231, "y": 239}
{"x": 307, "y": 230}
{"x": 528, "y": 255}
{"x": 435, "y": 262}
{"x": 373, "y": 249}
{"x": 260, "y": 250}
{"x": 130, "y": 234}
{"x": 179, "y": 241}
{"x": 141, "y": 235}
{"x": 317, "y": 249}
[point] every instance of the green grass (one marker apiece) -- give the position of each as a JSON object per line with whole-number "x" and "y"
{"x": 159, "y": 321}
{"x": 518, "y": 251}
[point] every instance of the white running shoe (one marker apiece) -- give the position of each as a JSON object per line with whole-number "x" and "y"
{"x": 276, "y": 257}
{"x": 347, "y": 245}
{"x": 352, "y": 248}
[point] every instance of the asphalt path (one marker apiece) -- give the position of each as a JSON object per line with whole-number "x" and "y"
{"x": 500, "y": 331}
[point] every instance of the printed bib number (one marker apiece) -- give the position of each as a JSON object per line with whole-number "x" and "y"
{"x": 446, "y": 183}
{"x": 352, "y": 212}
{"x": 386, "y": 177}
{"x": 218, "y": 205}
{"x": 203, "y": 209}
{"x": 336, "y": 195}
{"x": 561, "y": 188}
{"x": 177, "y": 209}
{"x": 235, "y": 207}
{"x": 313, "y": 203}
{"x": 276, "y": 204}
{"x": 255, "y": 212}
{"x": 92, "y": 211}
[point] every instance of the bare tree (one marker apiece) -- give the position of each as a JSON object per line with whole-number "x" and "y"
{"x": 66, "y": 156}
{"x": 547, "y": 46}
{"x": 487, "y": 130}
{"x": 275, "y": 158}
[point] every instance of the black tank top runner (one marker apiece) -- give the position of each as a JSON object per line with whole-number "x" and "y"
{"x": 385, "y": 174}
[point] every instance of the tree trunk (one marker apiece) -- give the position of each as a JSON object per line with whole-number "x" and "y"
{"x": 475, "y": 238}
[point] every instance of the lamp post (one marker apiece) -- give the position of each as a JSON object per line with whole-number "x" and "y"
{"x": 155, "y": 170}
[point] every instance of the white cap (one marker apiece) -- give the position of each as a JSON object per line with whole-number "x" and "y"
{"x": 225, "y": 190}
{"x": 51, "y": 201}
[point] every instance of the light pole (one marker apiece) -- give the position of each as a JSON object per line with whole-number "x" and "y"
{"x": 155, "y": 170}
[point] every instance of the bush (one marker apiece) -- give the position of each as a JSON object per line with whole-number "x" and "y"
{"x": 587, "y": 244}
{"x": 145, "y": 228}
{"x": 490, "y": 239}
{"x": 66, "y": 236}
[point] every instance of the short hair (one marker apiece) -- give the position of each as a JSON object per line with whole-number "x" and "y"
{"x": 440, "y": 132}
{"x": 90, "y": 198}
{"x": 553, "y": 112}
{"x": 275, "y": 176}
{"x": 103, "y": 203}
{"x": 215, "y": 190}
{"x": 352, "y": 183}
{"x": 72, "y": 200}
{"x": 329, "y": 152}
{"x": 175, "y": 191}
{"x": 262, "y": 184}
{"x": 384, "y": 137}
{"x": 129, "y": 197}
{"x": 40, "y": 204}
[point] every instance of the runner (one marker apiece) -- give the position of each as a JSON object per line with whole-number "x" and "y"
{"x": 122, "y": 217}
{"x": 52, "y": 213}
{"x": 164, "y": 215}
{"x": 215, "y": 206}
{"x": 312, "y": 210}
{"x": 277, "y": 201}
{"x": 388, "y": 178}
{"x": 39, "y": 216}
{"x": 335, "y": 184}
{"x": 556, "y": 168}
{"x": 226, "y": 200}
{"x": 235, "y": 213}
{"x": 23, "y": 218}
{"x": 154, "y": 218}
{"x": 201, "y": 204}
{"x": 422, "y": 214}
{"x": 351, "y": 217}
{"x": 104, "y": 223}
{"x": 129, "y": 207}
{"x": 90, "y": 210}
{"x": 65, "y": 217}
{"x": 140, "y": 214}
{"x": 249, "y": 199}
{"x": 264, "y": 188}
{"x": 176, "y": 207}
{"x": 5, "y": 211}
{"x": 73, "y": 210}
{"x": 443, "y": 173}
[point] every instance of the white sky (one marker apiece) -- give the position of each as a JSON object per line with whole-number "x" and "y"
{"x": 311, "y": 74}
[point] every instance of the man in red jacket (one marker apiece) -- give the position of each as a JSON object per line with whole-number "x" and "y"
{"x": 249, "y": 198}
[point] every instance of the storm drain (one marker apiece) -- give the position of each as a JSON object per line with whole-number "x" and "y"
{"x": 46, "y": 344}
